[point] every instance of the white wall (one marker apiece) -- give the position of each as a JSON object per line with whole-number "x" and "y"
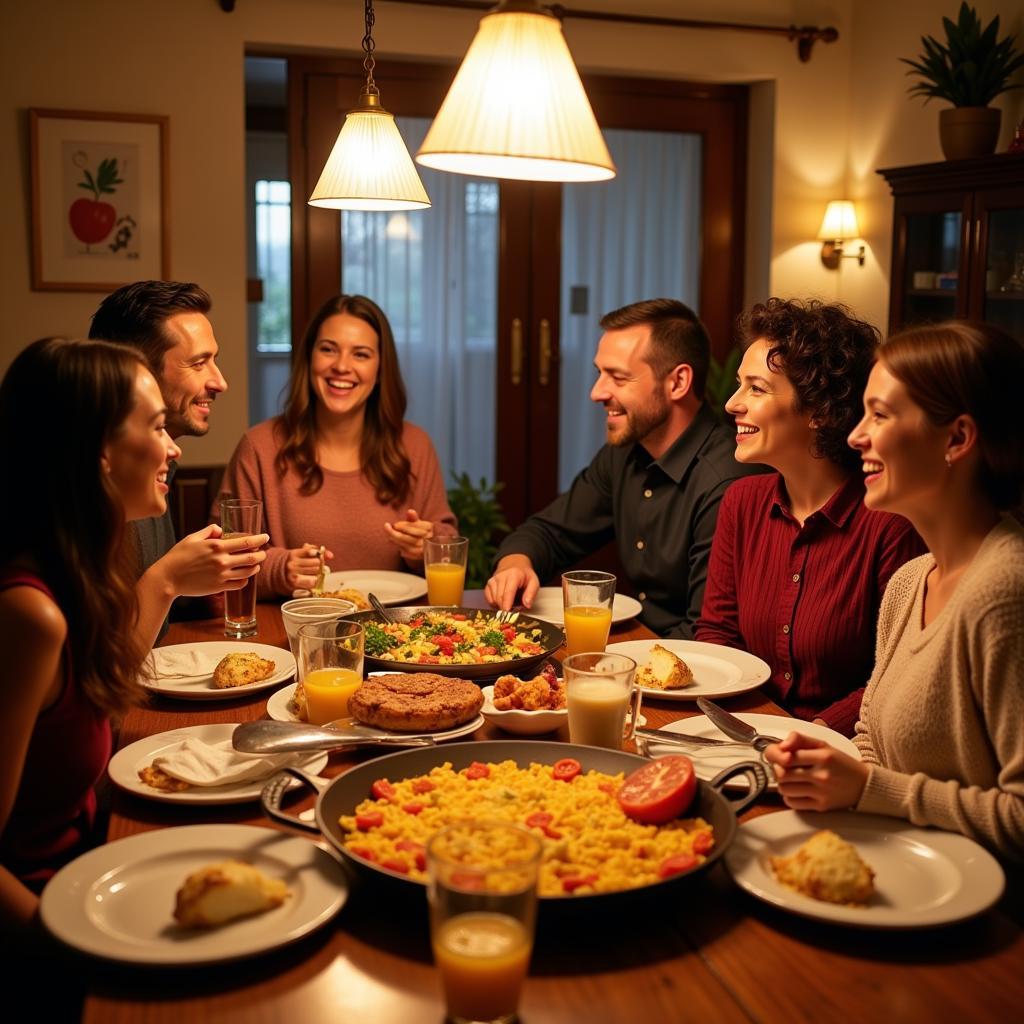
{"x": 832, "y": 122}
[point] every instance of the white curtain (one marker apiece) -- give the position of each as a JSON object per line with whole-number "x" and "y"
{"x": 634, "y": 237}
{"x": 435, "y": 274}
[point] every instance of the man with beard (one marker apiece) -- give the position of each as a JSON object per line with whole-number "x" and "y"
{"x": 654, "y": 487}
{"x": 167, "y": 323}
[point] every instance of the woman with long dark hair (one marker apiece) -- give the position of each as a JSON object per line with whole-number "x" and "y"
{"x": 340, "y": 467}
{"x": 82, "y": 450}
{"x": 942, "y": 443}
{"x": 798, "y": 564}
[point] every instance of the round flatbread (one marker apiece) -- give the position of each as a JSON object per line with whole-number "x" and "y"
{"x": 415, "y": 702}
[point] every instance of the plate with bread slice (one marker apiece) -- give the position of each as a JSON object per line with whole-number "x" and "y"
{"x": 688, "y": 669}
{"x": 194, "y": 894}
{"x": 216, "y": 669}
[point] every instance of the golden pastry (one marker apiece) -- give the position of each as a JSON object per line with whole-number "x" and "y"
{"x": 241, "y": 669}
{"x": 827, "y": 868}
{"x": 221, "y": 892}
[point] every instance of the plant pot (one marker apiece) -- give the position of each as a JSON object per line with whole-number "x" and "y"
{"x": 969, "y": 131}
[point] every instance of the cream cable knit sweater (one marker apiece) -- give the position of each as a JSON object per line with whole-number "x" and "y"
{"x": 942, "y": 722}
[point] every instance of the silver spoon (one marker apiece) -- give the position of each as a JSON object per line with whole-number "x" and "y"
{"x": 269, "y": 737}
{"x": 379, "y": 608}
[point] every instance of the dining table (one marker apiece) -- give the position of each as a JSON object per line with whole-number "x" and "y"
{"x": 703, "y": 951}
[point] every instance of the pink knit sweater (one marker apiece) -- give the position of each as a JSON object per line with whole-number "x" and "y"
{"x": 344, "y": 514}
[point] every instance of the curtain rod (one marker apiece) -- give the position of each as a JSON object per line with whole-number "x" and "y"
{"x": 805, "y": 36}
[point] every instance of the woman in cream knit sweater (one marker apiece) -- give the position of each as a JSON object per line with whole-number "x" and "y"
{"x": 942, "y": 443}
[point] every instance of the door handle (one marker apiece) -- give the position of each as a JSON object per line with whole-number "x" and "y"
{"x": 517, "y": 351}
{"x": 544, "y": 349}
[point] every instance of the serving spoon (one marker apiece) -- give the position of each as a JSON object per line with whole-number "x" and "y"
{"x": 270, "y": 737}
{"x": 379, "y": 608}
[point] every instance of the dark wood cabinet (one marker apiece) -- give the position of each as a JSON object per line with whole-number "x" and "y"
{"x": 958, "y": 242}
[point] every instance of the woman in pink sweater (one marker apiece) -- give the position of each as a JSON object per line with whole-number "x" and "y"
{"x": 340, "y": 466}
{"x": 941, "y": 443}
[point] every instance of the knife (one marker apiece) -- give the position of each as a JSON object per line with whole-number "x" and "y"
{"x": 685, "y": 739}
{"x": 734, "y": 727}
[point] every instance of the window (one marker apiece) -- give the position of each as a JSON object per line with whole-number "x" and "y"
{"x": 273, "y": 265}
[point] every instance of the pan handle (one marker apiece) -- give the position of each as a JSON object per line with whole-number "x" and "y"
{"x": 273, "y": 792}
{"x": 757, "y": 778}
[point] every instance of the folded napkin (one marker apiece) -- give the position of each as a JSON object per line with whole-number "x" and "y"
{"x": 167, "y": 663}
{"x": 218, "y": 764}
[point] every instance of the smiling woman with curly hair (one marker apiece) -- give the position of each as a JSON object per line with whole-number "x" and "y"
{"x": 799, "y": 565}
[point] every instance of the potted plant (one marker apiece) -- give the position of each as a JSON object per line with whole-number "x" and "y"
{"x": 969, "y": 70}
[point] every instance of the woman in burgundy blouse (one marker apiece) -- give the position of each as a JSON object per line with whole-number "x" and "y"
{"x": 798, "y": 564}
{"x": 82, "y": 438}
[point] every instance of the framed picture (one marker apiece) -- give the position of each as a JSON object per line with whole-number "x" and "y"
{"x": 99, "y": 199}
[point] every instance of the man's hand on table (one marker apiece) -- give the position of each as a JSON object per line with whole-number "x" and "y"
{"x": 512, "y": 574}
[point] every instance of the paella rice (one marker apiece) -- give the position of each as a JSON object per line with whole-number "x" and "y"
{"x": 445, "y": 638}
{"x": 590, "y": 845}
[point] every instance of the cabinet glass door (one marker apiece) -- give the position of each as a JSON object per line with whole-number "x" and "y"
{"x": 931, "y": 272}
{"x": 1003, "y": 303}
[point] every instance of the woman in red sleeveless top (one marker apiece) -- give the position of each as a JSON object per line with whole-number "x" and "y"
{"x": 82, "y": 451}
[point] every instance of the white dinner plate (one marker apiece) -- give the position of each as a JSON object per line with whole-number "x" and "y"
{"x": 201, "y": 687}
{"x": 547, "y": 605}
{"x": 923, "y": 877}
{"x": 717, "y": 671}
{"x": 277, "y": 709}
{"x": 117, "y": 901}
{"x": 527, "y": 723}
{"x": 707, "y": 762}
{"x": 390, "y": 587}
{"x": 125, "y": 764}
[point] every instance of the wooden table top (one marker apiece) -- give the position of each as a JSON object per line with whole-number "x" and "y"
{"x": 710, "y": 953}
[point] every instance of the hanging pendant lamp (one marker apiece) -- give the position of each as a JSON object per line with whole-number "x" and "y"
{"x": 369, "y": 167}
{"x": 517, "y": 107}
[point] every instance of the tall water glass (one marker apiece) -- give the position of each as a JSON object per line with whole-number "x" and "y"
{"x": 330, "y": 667}
{"x": 587, "y": 598}
{"x": 241, "y": 517}
{"x": 444, "y": 561}
{"x": 483, "y": 907}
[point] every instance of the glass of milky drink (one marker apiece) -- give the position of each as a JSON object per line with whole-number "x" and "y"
{"x": 587, "y": 598}
{"x": 240, "y": 517}
{"x": 483, "y": 906}
{"x": 599, "y": 693}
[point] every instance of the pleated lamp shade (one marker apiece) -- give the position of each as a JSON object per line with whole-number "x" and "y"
{"x": 369, "y": 167}
{"x": 517, "y": 108}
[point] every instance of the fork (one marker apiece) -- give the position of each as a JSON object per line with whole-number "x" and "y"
{"x": 506, "y": 618}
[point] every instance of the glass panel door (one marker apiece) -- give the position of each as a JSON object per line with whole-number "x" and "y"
{"x": 635, "y": 237}
{"x": 1004, "y": 271}
{"x": 435, "y": 274}
{"x": 931, "y": 273}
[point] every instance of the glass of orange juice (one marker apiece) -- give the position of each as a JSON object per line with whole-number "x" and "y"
{"x": 330, "y": 666}
{"x": 444, "y": 560}
{"x": 587, "y": 598}
{"x": 599, "y": 691}
{"x": 483, "y": 908}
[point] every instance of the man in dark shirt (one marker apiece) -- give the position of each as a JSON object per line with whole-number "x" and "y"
{"x": 655, "y": 486}
{"x": 167, "y": 323}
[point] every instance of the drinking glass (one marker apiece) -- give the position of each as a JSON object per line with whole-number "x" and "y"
{"x": 587, "y": 599}
{"x": 483, "y": 906}
{"x": 241, "y": 517}
{"x": 330, "y": 666}
{"x": 304, "y": 610}
{"x": 599, "y": 691}
{"x": 444, "y": 560}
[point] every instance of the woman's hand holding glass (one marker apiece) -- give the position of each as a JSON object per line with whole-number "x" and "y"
{"x": 408, "y": 534}
{"x": 814, "y": 776}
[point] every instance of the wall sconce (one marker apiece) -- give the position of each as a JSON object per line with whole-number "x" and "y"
{"x": 838, "y": 227}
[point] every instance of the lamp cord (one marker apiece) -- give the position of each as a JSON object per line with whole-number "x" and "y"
{"x": 368, "y": 47}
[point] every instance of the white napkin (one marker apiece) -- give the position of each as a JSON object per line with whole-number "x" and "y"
{"x": 167, "y": 663}
{"x": 218, "y": 764}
